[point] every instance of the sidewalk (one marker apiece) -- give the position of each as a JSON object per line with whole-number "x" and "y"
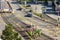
{"x": 2, "y": 25}
{"x": 53, "y": 16}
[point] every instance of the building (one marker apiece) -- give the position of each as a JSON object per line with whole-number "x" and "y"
{"x": 50, "y": 7}
{"x": 57, "y": 6}
{"x": 53, "y": 7}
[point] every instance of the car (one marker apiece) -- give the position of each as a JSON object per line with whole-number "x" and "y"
{"x": 28, "y": 15}
{"x": 28, "y": 5}
{"x": 30, "y": 10}
{"x": 28, "y": 26}
{"x": 19, "y": 9}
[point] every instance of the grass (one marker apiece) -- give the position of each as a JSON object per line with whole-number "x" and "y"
{"x": 23, "y": 5}
{"x": 43, "y": 16}
{"x": 38, "y": 14}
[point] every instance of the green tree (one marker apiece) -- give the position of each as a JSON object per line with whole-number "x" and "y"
{"x": 38, "y": 31}
{"x": 30, "y": 33}
{"x": 9, "y": 34}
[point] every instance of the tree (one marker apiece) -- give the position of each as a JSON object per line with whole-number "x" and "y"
{"x": 9, "y": 34}
{"x": 38, "y": 31}
{"x": 31, "y": 33}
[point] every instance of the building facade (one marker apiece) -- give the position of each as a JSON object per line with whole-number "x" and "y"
{"x": 57, "y": 4}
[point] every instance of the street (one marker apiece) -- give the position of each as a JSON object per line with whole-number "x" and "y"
{"x": 19, "y": 22}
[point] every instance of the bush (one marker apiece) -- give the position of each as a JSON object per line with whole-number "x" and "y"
{"x": 31, "y": 33}
{"x": 9, "y": 34}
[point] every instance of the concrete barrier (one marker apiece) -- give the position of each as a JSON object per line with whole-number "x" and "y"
{"x": 47, "y": 36}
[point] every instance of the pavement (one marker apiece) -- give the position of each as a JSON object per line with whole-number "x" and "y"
{"x": 18, "y": 15}
{"x": 53, "y": 16}
{"x": 0, "y": 4}
{"x": 51, "y": 33}
{"x": 57, "y": 32}
{"x": 2, "y": 25}
{"x": 2, "y": 22}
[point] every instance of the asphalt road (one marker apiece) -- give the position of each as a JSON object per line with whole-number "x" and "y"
{"x": 34, "y": 18}
{"x": 15, "y": 7}
{"x": 15, "y": 21}
{"x": 10, "y": 18}
{"x": 35, "y": 21}
{"x": 0, "y": 4}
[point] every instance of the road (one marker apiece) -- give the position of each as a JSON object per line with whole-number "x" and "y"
{"x": 2, "y": 25}
{"x": 33, "y": 20}
{"x": 10, "y": 18}
{"x": 0, "y": 4}
{"x": 15, "y": 22}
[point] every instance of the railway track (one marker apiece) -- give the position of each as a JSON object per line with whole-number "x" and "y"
{"x": 14, "y": 21}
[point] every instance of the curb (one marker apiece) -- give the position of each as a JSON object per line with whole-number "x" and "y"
{"x": 47, "y": 36}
